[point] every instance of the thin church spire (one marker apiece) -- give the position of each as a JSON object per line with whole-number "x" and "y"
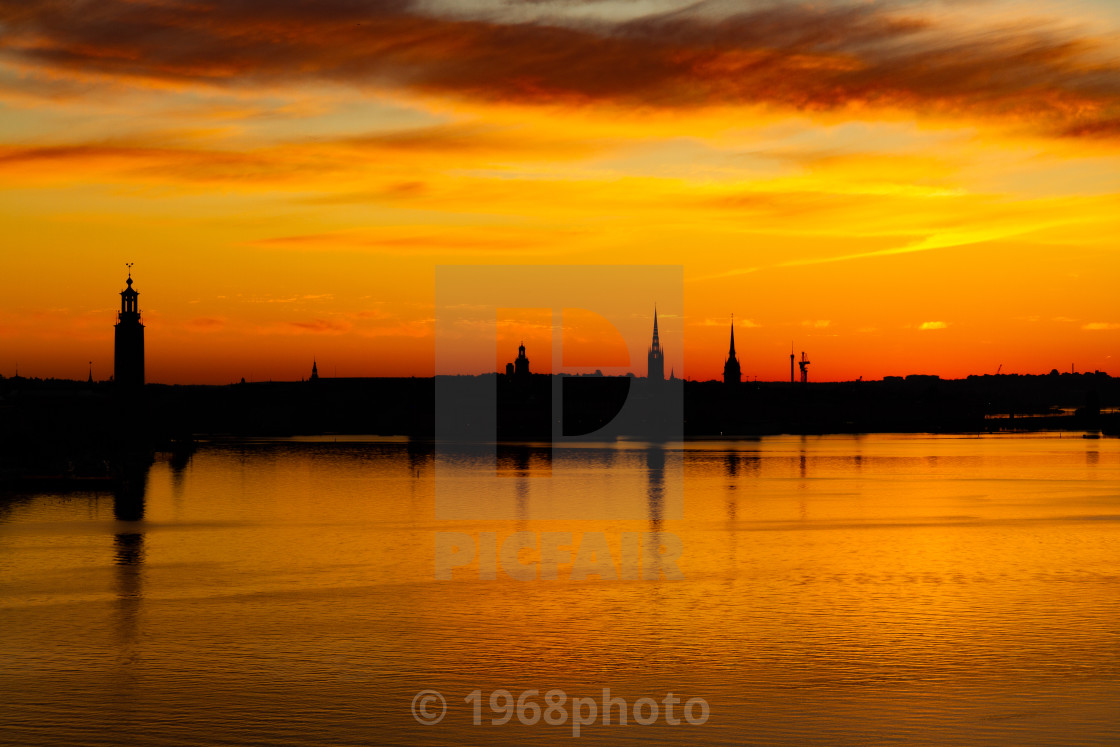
{"x": 655, "y": 363}
{"x": 732, "y": 374}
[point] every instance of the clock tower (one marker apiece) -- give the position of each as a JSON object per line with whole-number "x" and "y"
{"x": 128, "y": 353}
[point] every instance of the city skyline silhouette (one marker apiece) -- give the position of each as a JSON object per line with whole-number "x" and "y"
{"x": 549, "y": 372}
{"x": 128, "y": 354}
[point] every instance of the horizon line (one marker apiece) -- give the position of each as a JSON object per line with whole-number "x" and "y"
{"x": 565, "y": 374}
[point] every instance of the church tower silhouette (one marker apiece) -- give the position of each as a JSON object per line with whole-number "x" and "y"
{"x": 732, "y": 374}
{"x": 521, "y": 365}
{"x": 655, "y": 362}
{"x": 128, "y": 353}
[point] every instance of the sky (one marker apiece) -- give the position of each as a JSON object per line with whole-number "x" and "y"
{"x": 892, "y": 186}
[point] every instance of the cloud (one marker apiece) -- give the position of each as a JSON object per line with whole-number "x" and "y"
{"x": 413, "y": 328}
{"x": 1103, "y": 128}
{"x": 411, "y": 242}
{"x": 817, "y": 324}
{"x": 265, "y": 166}
{"x": 803, "y": 56}
{"x": 709, "y": 322}
{"x": 474, "y": 138}
{"x": 728, "y": 274}
{"x": 933, "y": 325}
{"x": 292, "y": 299}
{"x": 206, "y": 324}
{"x": 176, "y": 157}
{"x": 1097, "y": 326}
{"x": 321, "y": 326}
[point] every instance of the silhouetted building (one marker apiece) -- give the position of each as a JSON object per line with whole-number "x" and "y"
{"x": 521, "y": 365}
{"x": 732, "y": 374}
{"x": 655, "y": 368}
{"x": 128, "y": 353}
{"x": 314, "y": 370}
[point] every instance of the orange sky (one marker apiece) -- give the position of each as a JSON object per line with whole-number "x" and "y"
{"x": 894, "y": 187}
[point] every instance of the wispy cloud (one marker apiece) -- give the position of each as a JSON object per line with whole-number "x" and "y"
{"x": 807, "y": 57}
{"x": 168, "y": 163}
{"x": 206, "y": 324}
{"x": 409, "y": 241}
{"x": 933, "y": 325}
{"x": 320, "y": 326}
{"x": 292, "y": 299}
{"x": 727, "y": 274}
{"x": 1098, "y": 326}
{"x": 710, "y": 322}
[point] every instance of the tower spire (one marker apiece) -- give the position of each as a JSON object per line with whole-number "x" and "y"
{"x": 655, "y": 363}
{"x": 128, "y": 347}
{"x": 732, "y": 373}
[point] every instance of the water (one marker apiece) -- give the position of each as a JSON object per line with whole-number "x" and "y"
{"x": 836, "y": 590}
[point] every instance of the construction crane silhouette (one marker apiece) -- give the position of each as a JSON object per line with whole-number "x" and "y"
{"x": 803, "y": 364}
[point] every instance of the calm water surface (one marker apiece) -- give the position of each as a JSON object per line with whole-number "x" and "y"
{"x": 836, "y": 590}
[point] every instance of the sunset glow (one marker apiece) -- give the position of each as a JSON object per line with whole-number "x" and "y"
{"x": 895, "y": 187}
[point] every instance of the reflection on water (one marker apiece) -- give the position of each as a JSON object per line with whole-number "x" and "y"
{"x": 128, "y": 556}
{"x": 837, "y": 590}
{"x": 523, "y": 462}
{"x": 655, "y": 468}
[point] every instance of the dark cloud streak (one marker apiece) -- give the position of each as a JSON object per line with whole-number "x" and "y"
{"x": 810, "y": 58}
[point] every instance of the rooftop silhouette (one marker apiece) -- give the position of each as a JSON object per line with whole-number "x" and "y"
{"x": 89, "y": 431}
